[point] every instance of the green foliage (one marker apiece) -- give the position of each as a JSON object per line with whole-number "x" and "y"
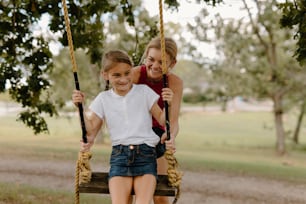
{"x": 256, "y": 55}
{"x": 194, "y": 98}
{"x": 26, "y": 61}
{"x": 62, "y": 76}
{"x": 294, "y": 17}
{"x": 119, "y": 37}
{"x": 128, "y": 11}
{"x": 256, "y": 59}
{"x": 131, "y": 37}
{"x": 211, "y": 2}
{"x": 175, "y": 3}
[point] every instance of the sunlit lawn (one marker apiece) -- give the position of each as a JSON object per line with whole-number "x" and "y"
{"x": 236, "y": 143}
{"x": 229, "y": 137}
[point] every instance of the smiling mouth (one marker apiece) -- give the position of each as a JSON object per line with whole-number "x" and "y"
{"x": 155, "y": 70}
{"x": 123, "y": 84}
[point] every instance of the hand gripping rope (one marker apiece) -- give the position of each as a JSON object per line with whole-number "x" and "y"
{"x": 83, "y": 171}
{"x": 174, "y": 176}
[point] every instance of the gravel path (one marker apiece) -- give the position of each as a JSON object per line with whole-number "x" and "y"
{"x": 197, "y": 188}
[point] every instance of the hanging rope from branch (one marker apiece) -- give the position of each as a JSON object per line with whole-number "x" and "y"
{"x": 174, "y": 176}
{"x": 74, "y": 67}
{"x": 83, "y": 171}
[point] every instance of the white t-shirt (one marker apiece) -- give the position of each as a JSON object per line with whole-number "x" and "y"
{"x": 128, "y": 117}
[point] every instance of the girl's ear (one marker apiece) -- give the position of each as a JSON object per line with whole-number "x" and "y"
{"x": 173, "y": 63}
{"x": 104, "y": 75}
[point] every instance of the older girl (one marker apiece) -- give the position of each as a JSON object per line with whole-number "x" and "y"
{"x": 150, "y": 73}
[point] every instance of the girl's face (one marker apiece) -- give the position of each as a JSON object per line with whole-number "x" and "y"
{"x": 120, "y": 78}
{"x": 154, "y": 64}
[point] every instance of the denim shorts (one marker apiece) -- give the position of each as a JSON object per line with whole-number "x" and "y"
{"x": 133, "y": 160}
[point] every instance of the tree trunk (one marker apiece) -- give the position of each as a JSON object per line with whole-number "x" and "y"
{"x": 280, "y": 133}
{"x": 299, "y": 123}
{"x": 224, "y": 104}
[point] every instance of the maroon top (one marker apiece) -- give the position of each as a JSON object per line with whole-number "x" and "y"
{"x": 157, "y": 87}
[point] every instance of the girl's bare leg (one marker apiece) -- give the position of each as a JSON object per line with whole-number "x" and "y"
{"x": 120, "y": 189}
{"x": 144, "y": 187}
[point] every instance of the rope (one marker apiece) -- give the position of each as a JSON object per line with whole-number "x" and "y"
{"x": 69, "y": 37}
{"x": 82, "y": 173}
{"x": 74, "y": 68}
{"x": 174, "y": 176}
{"x": 83, "y": 170}
{"x": 162, "y": 37}
{"x": 84, "y": 166}
{"x": 76, "y": 184}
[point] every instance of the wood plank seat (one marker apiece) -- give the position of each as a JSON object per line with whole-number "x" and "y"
{"x": 99, "y": 184}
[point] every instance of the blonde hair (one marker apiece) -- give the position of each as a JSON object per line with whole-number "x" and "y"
{"x": 170, "y": 46}
{"x": 112, "y": 58}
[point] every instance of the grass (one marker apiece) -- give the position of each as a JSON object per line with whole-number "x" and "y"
{"x": 238, "y": 142}
{"x": 235, "y": 143}
{"x": 23, "y": 194}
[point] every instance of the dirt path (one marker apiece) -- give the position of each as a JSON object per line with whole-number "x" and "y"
{"x": 197, "y": 188}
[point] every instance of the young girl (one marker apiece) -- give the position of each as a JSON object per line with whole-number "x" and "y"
{"x": 150, "y": 73}
{"x": 127, "y": 110}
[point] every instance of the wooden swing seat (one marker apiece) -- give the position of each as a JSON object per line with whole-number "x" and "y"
{"x": 99, "y": 184}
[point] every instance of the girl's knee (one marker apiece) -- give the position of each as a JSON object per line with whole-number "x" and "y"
{"x": 161, "y": 200}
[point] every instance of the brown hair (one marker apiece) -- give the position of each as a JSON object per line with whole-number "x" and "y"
{"x": 112, "y": 58}
{"x": 170, "y": 46}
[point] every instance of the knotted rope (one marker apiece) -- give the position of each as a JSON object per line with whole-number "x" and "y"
{"x": 84, "y": 166}
{"x": 83, "y": 171}
{"x": 174, "y": 176}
